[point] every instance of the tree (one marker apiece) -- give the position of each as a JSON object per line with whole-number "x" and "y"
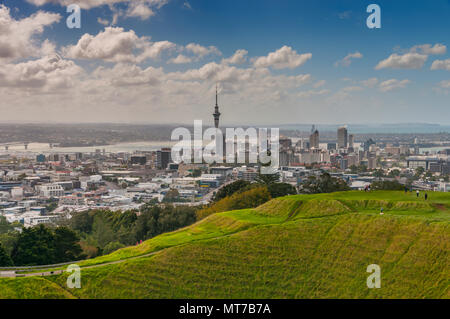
{"x": 67, "y": 247}
{"x": 324, "y": 184}
{"x": 419, "y": 171}
{"x": 82, "y": 222}
{"x": 281, "y": 189}
{"x": 112, "y": 246}
{"x": 5, "y": 259}
{"x": 41, "y": 246}
{"x": 230, "y": 189}
{"x": 246, "y": 199}
{"x": 102, "y": 231}
{"x": 171, "y": 196}
{"x": 394, "y": 173}
{"x": 195, "y": 173}
{"x": 35, "y": 246}
{"x": 267, "y": 179}
{"x": 387, "y": 185}
{"x": 155, "y": 220}
{"x": 5, "y": 226}
{"x": 378, "y": 173}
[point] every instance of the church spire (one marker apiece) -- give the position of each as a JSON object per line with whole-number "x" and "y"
{"x": 216, "y": 113}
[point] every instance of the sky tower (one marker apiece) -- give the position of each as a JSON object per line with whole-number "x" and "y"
{"x": 216, "y": 113}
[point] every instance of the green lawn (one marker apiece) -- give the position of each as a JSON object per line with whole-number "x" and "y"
{"x": 302, "y": 246}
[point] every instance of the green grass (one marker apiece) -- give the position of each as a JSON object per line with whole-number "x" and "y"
{"x": 302, "y": 246}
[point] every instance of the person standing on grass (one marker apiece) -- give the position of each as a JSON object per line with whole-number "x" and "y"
{"x": 381, "y": 211}
{"x": 426, "y": 196}
{"x": 417, "y": 193}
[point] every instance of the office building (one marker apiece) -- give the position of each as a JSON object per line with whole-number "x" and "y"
{"x": 163, "y": 158}
{"x": 342, "y": 137}
{"x": 314, "y": 138}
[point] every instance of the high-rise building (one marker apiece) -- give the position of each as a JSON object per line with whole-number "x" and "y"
{"x": 351, "y": 140}
{"x": 342, "y": 137}
{"x": 163, "y": 158}
{"x": 314, "y": 138}
{"x": 372, "y": 161}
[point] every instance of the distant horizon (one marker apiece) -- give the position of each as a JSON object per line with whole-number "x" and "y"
{"x": 206, "y": 123}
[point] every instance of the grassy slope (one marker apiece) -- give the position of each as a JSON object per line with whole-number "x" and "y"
{"x": 303, "y": 246}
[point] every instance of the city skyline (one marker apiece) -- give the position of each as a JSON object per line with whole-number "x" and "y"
{"x": 159, "y": 61}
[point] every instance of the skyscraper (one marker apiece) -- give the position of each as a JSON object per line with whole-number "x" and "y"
{"x": 351, "y": 140}
{"x": 216, "y": 113}
{"x": 342, "y": 137}
{"x": 314, "y": 138}
{"x": 163, "y": 158}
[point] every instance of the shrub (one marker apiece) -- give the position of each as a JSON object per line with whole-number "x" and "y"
{"x": 247, "y": 199}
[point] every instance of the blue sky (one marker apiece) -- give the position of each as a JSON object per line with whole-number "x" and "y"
{"x": 407, "y": 87}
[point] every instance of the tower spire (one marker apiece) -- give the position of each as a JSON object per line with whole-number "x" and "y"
{"x": 216, "y": 113}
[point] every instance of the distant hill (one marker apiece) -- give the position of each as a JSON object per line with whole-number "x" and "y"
{"x": 302, "y": 246}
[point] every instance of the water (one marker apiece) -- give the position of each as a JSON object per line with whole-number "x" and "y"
{"x": 128, "y": 147}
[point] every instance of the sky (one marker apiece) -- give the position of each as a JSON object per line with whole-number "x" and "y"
{"x": 274, "y": 62}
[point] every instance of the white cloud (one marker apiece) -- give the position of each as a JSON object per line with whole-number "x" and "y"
{"x": 441, "y": 65}
{"x": 89, "y": 4}
{"x": 18, "y": 37}
{"x": 429, "y": 49}
{"x": 283, "y": 58}
{"x": 352, "y": 89}
{"x": 49, "y": 74}
{"x": 140, "y": 10}
{"x": 154, "y": 50}
{"x": 392, "y": 84}
{"x": 445, "y": 84}
{"x": 202, "y": 51}
{"x": 347, "y": 60}
{"x": 180, "y": 59}
{"x": 443, "y": 87}
{"x": 319, "y": 84}
{"x": 102, "y": 21}
{"x": 187, "y": 5}
{"x": 114, "y": 44}
{"x": 405, "y": 61}
{"x": 311, "y": 93}
{"x": 239, "y": 57}
{"x": 370, "y": 83}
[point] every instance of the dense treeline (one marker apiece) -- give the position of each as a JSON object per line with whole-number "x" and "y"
{"x": 325, "y": 183}
{"x": 88, "y": 234}
{"x": 41, "y": 245}
{"x": 102, "y": 231}
{"x": 387, "y": 185}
